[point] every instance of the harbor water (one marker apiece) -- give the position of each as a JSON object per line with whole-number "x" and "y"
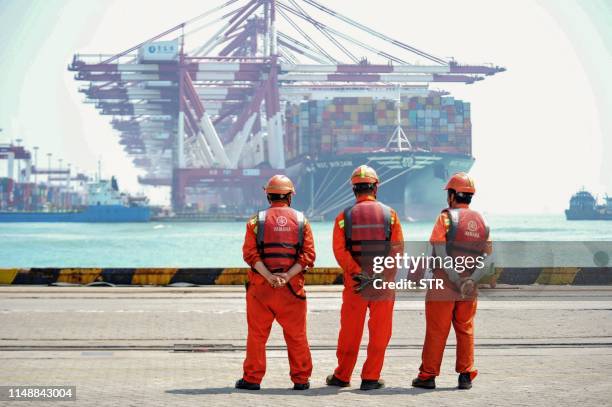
{"x": 219, "y": 244}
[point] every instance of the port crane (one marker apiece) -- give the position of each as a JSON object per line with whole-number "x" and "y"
{"x": 209, "y": 113}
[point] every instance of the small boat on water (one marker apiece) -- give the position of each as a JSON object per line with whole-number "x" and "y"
{"x": 584, "y": 206}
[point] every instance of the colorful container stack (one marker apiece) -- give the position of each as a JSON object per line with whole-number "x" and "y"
{"x": 351, "y": 124}
{"x": 32, "y": 197}
{"x": 292, "y": 129}
{"x": 6, "y": 192}
{"x": 22, "y": 197}
{"x": 439, "y": 124}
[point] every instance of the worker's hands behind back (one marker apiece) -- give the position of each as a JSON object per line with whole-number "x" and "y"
{"x": 467, "y": 288}
{"x": 276, "y": 280}
{"x": 273, "y": 279}
{"x": 283, "y": 276}
{"x": 289, "y": 274}
{"x": 362, "y": 281}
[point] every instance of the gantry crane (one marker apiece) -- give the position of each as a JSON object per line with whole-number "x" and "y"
{"x": 211, "y": 114}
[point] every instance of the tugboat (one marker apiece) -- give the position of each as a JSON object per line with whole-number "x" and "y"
{"x": 584, "y": 206}
{"x": 104, "y": 204}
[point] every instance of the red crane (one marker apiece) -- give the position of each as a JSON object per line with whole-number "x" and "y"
{"x": 212, "y": 116}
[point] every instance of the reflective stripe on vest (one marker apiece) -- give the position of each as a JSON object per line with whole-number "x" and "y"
{"x": 365, "y": 224}
{"x": 280, "y": 236}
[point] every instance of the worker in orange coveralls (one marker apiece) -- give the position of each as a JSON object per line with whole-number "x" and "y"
{"x": 355, "y": 230}
{"x": 458, "y": 231}
{"x": 279, "y": 247}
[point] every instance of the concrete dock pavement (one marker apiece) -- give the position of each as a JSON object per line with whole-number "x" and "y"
{"x": 156, "y": 346}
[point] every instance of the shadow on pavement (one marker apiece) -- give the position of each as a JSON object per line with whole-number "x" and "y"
{"x": 390, "y": 391}
{"x": 316, "y": 391}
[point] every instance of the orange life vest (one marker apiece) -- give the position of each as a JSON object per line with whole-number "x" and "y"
{"x": 367, "y": 229}
{"x": 466, "y": 237}
{"x": 467, "y": 234}
{"x": 280, "y": 236}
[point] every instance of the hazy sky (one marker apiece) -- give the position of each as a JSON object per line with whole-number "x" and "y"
{"x": 542, "y": 129}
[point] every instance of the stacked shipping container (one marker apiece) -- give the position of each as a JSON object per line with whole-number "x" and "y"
{"x": 6, "y": 192}
{"x": 351, "y": 124}
{"x": 292, "y": 131}
{"x": 32, "y": 197}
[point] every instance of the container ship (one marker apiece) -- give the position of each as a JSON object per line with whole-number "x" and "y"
{"x": 103, "y": 203}
{"x": 413, "y": 149}
{"x": 584, "y": 206}
{"x": 213, "y": 119}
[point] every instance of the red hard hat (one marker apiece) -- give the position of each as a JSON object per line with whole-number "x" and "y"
{"x": 461, "y": 182}
{"x": 279, "y": 184}
{"x": 364, "y": 175}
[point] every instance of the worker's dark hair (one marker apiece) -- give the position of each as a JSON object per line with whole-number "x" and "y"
{"x": 363, "y": 188}
{"x": 461, "y": 197}
{"x": 279, "y": 197}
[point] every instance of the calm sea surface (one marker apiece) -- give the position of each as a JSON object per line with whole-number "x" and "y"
{"x": 219, "y": 244}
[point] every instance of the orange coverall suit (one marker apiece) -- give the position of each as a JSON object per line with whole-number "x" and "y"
{"x": 354, "y": 307}
{"x": 266, "y": 304}
{"x": 439, "y": 316}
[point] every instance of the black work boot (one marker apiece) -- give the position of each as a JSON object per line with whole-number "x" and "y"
{"x": 372, "y": 384}
{"x": 332, "y": 380}
{"x": 424, "y": 383}
{"x": 244, "y": 385}
{"x": 465, "y": 381}
{"x": 301, "y": 386}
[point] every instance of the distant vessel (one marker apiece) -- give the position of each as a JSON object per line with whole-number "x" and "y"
{"x": 104, "y": 204}
{"x": 584, "y": 206}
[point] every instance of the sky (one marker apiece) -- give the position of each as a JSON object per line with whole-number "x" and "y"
{"x": 541, "y": 130}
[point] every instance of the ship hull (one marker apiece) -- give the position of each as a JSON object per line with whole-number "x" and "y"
{"x": 587, "y": 215}
{"x": 91, "y": 214}
{"x": 411, "y": 183}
